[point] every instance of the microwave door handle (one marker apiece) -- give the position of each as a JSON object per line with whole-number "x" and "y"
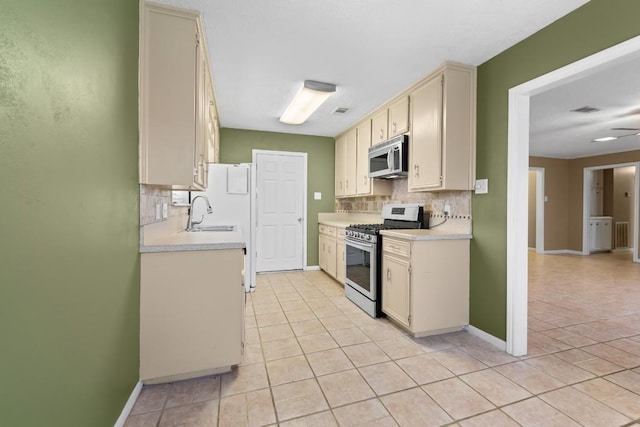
{"x": 390, "y": 159}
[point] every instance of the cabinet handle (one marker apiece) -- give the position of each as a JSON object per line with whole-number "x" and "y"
{"x": 346, "y": 185}
{"x": 365, "y": 180}
{"x": 394, "y": 126}
{"x": 416, "y": 168}
{"x": 381, "y": 133}
{"x": 388, "y": 273}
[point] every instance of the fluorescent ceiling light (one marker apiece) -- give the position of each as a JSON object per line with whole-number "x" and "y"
{"x": 606, "y": 138}
{"x": 310, "y": 96}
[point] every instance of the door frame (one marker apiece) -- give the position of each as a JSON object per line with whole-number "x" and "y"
{"x": 586, "y": 205}
{"x": 540, "y": 201}
{"x": 304, "y": 156}
{"x": 517, "y": 178}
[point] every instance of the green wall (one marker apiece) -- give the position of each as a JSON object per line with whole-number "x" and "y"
{"x": 597, "y": 25}
{"x": 236, "y": 146}
{"x": 69, "y": 263}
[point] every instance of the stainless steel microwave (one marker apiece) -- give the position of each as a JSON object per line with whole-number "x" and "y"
{"x": 389, "y": 159}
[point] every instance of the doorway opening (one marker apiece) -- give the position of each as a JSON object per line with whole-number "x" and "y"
{"x": 610, "y": 209}
{"x": 517, "y": 179}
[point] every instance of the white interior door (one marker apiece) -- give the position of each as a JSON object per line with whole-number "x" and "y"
{"x": 281, "y": 183}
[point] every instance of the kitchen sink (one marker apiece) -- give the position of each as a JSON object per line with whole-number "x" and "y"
{"x": 214, "y": 228}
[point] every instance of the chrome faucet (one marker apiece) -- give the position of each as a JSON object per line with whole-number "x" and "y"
{"x": 190, "y": 221}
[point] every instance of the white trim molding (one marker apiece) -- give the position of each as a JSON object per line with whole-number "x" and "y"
{"x": 122, "y": 419}
{"x": 496, "y": 342}
{"x": 312, "y": 268}
{"x": 563, "y": 252}
{"x": 517, "y": 177}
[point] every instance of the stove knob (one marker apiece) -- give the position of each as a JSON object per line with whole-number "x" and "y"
{"x": 368, "y": 237}
{"x": 361, "y": 235}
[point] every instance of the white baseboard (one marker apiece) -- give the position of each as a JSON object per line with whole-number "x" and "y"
{"x": 496, "y": 342}
{"x": 563, "y": 252}
{"x": 129, "y": 405}
{"x": 312, "y": 268}
{"x": 622, "y": 250}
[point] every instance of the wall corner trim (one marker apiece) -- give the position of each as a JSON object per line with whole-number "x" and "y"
{"x": 496, "y": 342}
{"x": 122, "y": 419}
{"x": 312, "y": 268}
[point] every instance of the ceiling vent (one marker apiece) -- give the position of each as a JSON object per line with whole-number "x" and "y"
{"x": 586, "y": 109}
{"x": 340, "y": 110}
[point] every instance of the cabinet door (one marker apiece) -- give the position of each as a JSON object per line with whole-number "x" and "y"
{"x": 202, "y": 110}
{"x": 168, "y": 88}
{"x": 379, "y": 131}
{"x": 340, "y": 261}
{"x": 399, "y": 117}
{"x": 396, "y": 292}
{"x": 363, "y": 184}
{"x": 425, "y": 168}
{"x": 331, "y": 257}
{"x": 322, "y": 252}
{"x": 340, "y": 164}
{"x": 350, "y": 174}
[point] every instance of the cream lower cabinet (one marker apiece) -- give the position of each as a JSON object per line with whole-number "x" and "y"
{"x": 331, "y": 251}
{"x": 327, "y": 249}
{"x": 340, "y": 256}
{"x": 425, "y": 284}
{"x": 191, "y": 313}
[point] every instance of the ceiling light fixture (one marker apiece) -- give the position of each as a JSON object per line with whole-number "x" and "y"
{"x": 606, "y": 138}
{"x": 308, "y": 99}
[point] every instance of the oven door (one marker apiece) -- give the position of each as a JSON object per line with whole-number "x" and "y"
{"x": 360, "y": 259}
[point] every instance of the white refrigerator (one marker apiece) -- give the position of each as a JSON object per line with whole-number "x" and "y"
{"x": 230, "y": 191}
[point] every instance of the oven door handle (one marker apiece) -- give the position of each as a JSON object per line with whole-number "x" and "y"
{"x": 362, "y": 246}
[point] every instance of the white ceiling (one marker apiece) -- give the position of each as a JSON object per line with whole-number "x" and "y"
{"x": 261, "y": 51}
{"x": 556, "y": 131}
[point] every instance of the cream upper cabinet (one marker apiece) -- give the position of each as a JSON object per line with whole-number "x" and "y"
{"x": 443, "y": 123}
{"x": 350, "y": 165}
{"x": 340, "y": 166}
{"x": 174, "y": 99}
{"x": 425, "y": 284}
{"x": 379, "y": 130}
{"x": 212, "y": 127}
{"x": 399, "y": 117}
{"x": 363, "y": 182}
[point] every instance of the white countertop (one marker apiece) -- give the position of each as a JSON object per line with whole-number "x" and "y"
{"x": 164, "y": 237}
{"x": 422, "y": 234}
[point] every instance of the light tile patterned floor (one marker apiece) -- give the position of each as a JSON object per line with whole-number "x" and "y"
{"x": 312, "y": 358}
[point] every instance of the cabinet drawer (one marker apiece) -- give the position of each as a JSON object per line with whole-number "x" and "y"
{"x": 397, "y": 247}
{"x": 327, "y": 229}
{"x": 340, "y": 233}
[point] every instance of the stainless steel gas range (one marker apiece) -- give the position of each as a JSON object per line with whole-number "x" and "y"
{"x": 363, "y": 250}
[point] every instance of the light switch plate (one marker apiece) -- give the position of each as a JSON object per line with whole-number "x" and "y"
{"x": 158, "y": 210}
{"x": 482, "y": 186}
{"x": 165, "y": 210}
{"x": 317, "y": 195}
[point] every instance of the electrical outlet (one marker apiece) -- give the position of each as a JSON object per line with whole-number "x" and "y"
{"x": 447, "y": 210}
{"x": 482, "y": 186}
{"x": 317, "y": 195}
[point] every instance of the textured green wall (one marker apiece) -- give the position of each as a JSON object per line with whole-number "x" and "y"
{"x": 236, "y": 146}
{"x": 596, "y": 26}
{"x": 69, "y": 263}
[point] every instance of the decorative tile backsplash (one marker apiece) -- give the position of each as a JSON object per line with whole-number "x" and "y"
{"x": 460, "y": 201}
{"x": 152, "y": 195}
